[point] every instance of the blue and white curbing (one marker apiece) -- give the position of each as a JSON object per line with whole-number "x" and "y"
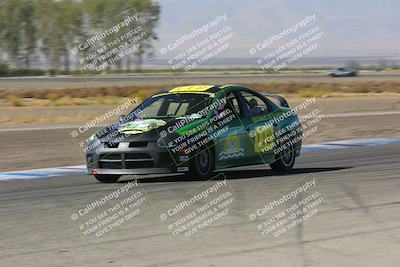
{"x": 349, "y": 144}
{"x": 81, "y": 169}
{"x": 43, "y": 173}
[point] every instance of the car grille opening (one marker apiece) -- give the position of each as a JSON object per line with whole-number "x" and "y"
{"x": 166, "y": 160}
{"x": 127, "y": 161}
{"x": 110, "y": 157}
{"x": 137, "y": 156}
{"x": 110, "y": 165}
{"x": 138, "y": 144}
{"x": 111, "y": 145}
{"x": 110, "y": 161}
{"x": 138, "y": 164}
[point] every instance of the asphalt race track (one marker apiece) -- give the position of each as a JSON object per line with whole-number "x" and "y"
{"x": 187, "y": 78}
{"x": 357, "y": 224}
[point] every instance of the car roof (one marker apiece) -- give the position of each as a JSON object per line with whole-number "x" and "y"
{"x": 193, "y": 89}
{"x": 196, "y": 89}
{"x": 209, "y": 89}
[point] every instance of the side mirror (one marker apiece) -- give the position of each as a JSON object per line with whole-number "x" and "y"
{"x": 220, "y": 108}
{"x": 122, "y": 117}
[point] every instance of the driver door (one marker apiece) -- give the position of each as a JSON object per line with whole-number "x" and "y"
{"x": 232, "y": 145}
{"x": 260, "y": 127}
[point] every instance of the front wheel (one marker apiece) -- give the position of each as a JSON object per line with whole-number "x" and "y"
{"x": 202, "y": 164}
{"x": 106, "y": 178}
{"x": 284, "y": 160}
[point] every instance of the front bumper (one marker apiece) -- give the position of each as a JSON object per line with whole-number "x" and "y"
{"x": 130, "y": 171}
{"x": 134, "y": 158}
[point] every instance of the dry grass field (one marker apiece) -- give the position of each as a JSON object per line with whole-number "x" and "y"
{"x": 113, "y": 95}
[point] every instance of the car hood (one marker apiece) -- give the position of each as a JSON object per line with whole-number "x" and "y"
{"x": 146, "y": 129}
{"x": 140, "y": 126}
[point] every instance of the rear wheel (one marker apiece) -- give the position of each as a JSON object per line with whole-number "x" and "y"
{"x": 202, "y": 165}
{"x": 285, "y": 160}
{"x": 106, "y": 178}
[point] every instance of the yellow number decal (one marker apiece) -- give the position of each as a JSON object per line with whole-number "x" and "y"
{"x": 264, "y": 139}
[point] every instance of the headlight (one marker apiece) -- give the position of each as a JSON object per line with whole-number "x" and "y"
{"x": 162, "y": 143}
{"x": 92, "y": 143}
{"x": 92, "y": 137}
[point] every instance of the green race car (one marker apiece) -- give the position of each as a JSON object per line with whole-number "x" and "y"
{"x": 196, "y": 130}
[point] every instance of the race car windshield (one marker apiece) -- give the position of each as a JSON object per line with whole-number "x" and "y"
{"x": 173, "y": 105}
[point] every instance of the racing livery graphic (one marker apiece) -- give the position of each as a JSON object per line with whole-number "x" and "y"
{"x": 196, "y": 130}
{"x": 232, "y": 148}
{"x": 140, "y": 126}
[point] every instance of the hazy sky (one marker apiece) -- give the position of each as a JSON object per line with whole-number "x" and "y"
{"x": 352, "y": 27}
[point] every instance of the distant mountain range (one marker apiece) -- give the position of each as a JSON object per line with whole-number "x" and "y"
{"x": 302, "y": 62}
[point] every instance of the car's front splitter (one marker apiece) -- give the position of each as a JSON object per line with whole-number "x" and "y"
{"x": 139, "y": 171}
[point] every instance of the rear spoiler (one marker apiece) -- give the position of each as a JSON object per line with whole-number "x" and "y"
{"x": 282, "y": 101}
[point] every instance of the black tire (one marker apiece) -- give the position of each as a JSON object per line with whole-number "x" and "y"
{"x": 203, "y": 164}
{"x": 106, "y": 178}
{"x": 285, "y": 160}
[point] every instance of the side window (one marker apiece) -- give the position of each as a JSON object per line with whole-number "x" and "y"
{"x": 254, "y": 104}
{"x": 231, "y": 103}
{"x": 177, "y": 109}
{"x": 274, "y": 101}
